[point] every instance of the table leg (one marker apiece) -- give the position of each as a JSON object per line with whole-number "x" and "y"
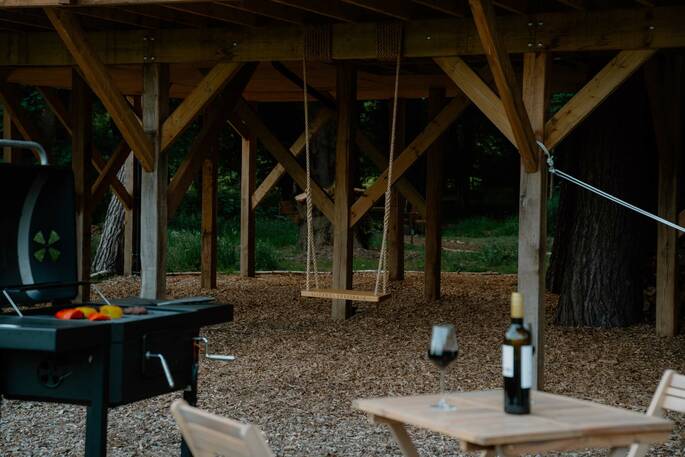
{"x": 403, "y": 440}
{"x": 96, "y": 416}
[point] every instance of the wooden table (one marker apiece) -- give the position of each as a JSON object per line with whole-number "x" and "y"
{"x": 556, "y": 423}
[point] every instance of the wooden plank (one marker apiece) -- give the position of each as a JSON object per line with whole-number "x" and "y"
{"x": 399, "y": 433}
{"x": 153, "y": 204}
{"x": 396, "y": 227}
{"x": 9, "y": 155}
{"x": 95, "y": 72}
{"x": 532, "y": 236}
{"x": 343, "y": 237}
{"x": 81, "y": 147}
{"x": 267, "y": 9}
{"x": 248, "y": 170}
{"x": 216, "y": 12}
{"x": 210, "y": 86}
{"x": 478, "y": 91}
{"x": 435, "y": 158}
{"x": 449, "y": 7}
{"x": 507, "y": 84}
{"x": 131, "y": 250}
{"x": 208, "y": 263}
{"x": 332, "y": 9}
{"x": 345, "y": 295}
{"x": 109, "y": 173}
{"x": 411, "y": 153}
{"x": 592, "y": 94}
{"x": 248, "y": 118}
{"x": 323, "y": 116}
{"x": 664, "y": 85}
{"x": 20, "y": 117}
{"x": 397, "y": 9}
{"x": 565, "y": 31}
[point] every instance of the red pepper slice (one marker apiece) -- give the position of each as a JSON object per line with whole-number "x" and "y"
{"x": 69, "y": 314}
{"x": 98, "y": 317}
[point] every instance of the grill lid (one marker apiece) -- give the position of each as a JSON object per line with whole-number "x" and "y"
{"x": 37, "y": 232}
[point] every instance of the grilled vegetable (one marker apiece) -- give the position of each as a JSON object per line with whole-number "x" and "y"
{"x": 69, "y": 314}
{"x": 98, "y": 317}
{"x": 135, "y": 310}
{"x": 87, "y": 310}
{"x": 113, "y": 311}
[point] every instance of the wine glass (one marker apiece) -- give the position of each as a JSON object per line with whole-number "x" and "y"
{"x": 442, "y": 351}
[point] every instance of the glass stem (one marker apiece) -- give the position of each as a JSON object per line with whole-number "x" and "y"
{"x": 442, "y": 384}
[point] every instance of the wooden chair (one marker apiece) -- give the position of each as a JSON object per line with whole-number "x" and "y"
{"x": 669, "y": 396}
{"x": 209, "y": 435}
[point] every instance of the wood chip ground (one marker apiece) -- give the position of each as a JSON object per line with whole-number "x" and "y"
{"x": 298, "y": 371}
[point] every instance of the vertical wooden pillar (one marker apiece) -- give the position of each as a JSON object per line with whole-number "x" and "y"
{"x": 209, "y": 206}
{"x": 346, "y": 95}
{"x": 664, "y": 83}
{"x": 396, "y": 229}
{"x": 153, "y": 201}
{"x": 132, "y": 217}
{"x": 532, "y": 245}
{"x": 434, "y": 175}
{"x": 247, "y": 214}
{"x": 81, "y": 147}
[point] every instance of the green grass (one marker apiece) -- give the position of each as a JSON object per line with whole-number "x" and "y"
{"x": 488, "y": 245}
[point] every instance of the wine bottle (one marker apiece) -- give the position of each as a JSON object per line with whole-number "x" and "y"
{"x": 517, "y": 361}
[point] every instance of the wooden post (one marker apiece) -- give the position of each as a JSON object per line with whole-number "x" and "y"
{"x": 396, "y": 229}
{"x": 153, "y": 201}
{"x": 247, "y": 220}
{"x": 9, "y": 155}
{"x": 346, "y": 95}
{"x": 434, "y": 174}
{"x": 664, "y": 83}
{"x": 209, "y": 206}
{"x": 532, "y": 244}
{"x": 81, "y": 148}
{"x": 132, "y": 217}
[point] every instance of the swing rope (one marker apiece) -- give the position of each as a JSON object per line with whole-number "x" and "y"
{"x": 312, "y": 267}
{"x": 563, "y": 175}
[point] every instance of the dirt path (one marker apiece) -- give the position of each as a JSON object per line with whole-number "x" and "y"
{"x": 298, "y": 372}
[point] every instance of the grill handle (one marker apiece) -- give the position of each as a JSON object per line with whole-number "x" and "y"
{"x": 216, "y": 357}
{"x": 167, "y": 372}
{"x": 32, "y": 145}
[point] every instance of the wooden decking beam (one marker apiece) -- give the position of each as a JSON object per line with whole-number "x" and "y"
{"x": 95, "y": 72}
{"x": 411, "y": 154}
{"x": 397, "y": 9}
{"x": 563, "y": 31}
{"x": 246, "y": 116}
{"x": 216, "y": 12}
{"x": 328, "y": 8}
{"x": 507, "y": 84}
{"x": 449, "y": 7}
{"x": 592, "y": 94}
{"x": 267, "y": 9}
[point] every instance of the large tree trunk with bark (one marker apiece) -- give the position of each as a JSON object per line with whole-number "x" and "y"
{"x": 108, "y": 257}
{"x": 601, "y": 249}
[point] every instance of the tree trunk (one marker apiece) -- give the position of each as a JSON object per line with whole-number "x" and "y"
{"x": 601, "y": 248}
{"x": 108, "y": 257}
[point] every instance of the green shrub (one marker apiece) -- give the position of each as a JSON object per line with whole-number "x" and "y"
{"x": 481, "y": 226}
{"x": 500, "y": 253}
{"x": 184, "y": 250}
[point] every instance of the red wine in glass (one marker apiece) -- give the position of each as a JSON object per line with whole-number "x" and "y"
{"x": 443, "y": 350}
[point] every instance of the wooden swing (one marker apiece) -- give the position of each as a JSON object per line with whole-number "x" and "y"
{"x": 380, "y": 292}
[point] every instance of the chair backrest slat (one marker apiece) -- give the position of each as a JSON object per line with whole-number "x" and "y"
{"x": 674, "y": 392}
{"x": 678, "y": 381}
{"x": 674, "y": 404}
{"x": 209, "y": 435}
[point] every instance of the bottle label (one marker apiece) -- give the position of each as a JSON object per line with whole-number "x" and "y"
{"x": 526, "y": 367}
{"x": 508, "y": 361}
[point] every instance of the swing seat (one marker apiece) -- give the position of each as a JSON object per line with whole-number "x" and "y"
{"x": 346, "y": 294}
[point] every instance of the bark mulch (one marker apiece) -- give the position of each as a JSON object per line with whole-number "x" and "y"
{"x": 298, "y": 371}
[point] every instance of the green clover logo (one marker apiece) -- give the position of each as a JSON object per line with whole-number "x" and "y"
{"x": 46, "y": 246}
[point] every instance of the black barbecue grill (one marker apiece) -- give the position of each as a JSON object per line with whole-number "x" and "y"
{"x": 97, "y": 364}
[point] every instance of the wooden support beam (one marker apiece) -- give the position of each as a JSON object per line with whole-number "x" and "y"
{"x": 217, "y": 13}
{"x": 9, "y": 155}
{"x": 563, "y": 31}
{"x": 593, "y": 94}
{"x": 95, "y": 72}
{"x": 664, "y": 86}
{"x": 575, "y": 4}
{"x": 106, "y": 170}
{"x": 411, "y": 153}
{"x": 153, "y": 204}
{"x": 346, "y": 95}
{"x": 20, "y": 118}
{"x": 435, "y": 158}
{"x": 267, "y": 9}
{"x": 478, "y": 91}
{"x": 210, "y": 185}
{"x": 197, "y": 153}
{"x": 246, "y": 116}
{"x": 396, "y": 228}
{"x": 397, "y": 9}
{"x": 532, "y": 243}
{"x": 210, "y": 86}
{"x": 332, "y": 9}
{"x": 449, "y": 7}
{"x": 248, "y": 170}
{"x": 505, "y": 79}
{"x": 131, "y": 252}
{"x": 81, "y": 149}
{"x": 323, "y": 116}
